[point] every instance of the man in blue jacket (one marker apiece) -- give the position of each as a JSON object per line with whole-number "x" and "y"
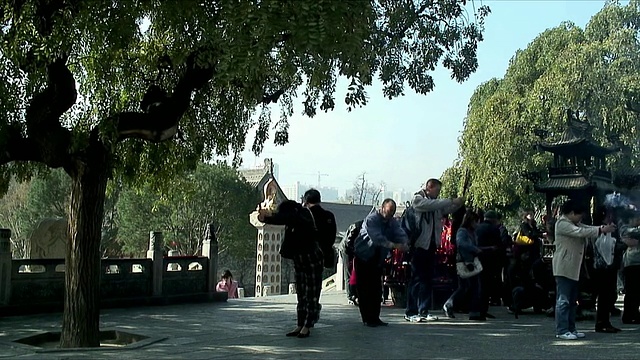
{"x": 380, "y": 233}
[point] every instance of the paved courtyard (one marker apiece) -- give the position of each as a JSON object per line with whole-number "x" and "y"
{"x": 255, "y": 328}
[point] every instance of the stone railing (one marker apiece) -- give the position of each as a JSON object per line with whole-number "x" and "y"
{"x": 38, "y": 285}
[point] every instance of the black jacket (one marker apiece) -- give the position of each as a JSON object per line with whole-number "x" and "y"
{"x": 299, "y": 234}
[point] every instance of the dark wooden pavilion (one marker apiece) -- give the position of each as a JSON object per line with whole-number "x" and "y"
{"x": 579, "y": 168}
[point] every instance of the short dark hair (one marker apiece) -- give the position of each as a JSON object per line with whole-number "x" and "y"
{"x": 469, "y": 218}
{"x": 572, "y": 206}
{"x": 227, "y": 274}
{"x": 312, "y": 196}
{"x": 388, "y": 200}
{"x": 434, "y": 182}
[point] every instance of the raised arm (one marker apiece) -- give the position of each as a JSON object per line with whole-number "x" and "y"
{"x": 424, "y": 204}
{"x": 567, "y": 228}
{"x": 280, "y": 218}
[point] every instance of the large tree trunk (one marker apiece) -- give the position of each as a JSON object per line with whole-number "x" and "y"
{"x": 80, "y": 322}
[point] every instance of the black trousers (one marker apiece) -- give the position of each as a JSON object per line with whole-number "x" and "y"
{"x": 491, "y": 280}
{"x": 632, "y": 293}
{"x": 605, "y": 282}
{"x": 369, "y": 286}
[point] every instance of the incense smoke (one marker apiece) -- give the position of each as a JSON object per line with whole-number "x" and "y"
{"x": 617, "y": 200}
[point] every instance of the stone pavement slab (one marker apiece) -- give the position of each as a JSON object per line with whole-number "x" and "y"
{"x": 254, "y": 328}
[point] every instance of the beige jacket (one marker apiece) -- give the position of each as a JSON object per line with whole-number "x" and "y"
{"x": 571, "y": 241}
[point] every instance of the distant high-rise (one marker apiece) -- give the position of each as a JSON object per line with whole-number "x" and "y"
{"x": 297, "y": 190}
{"x": 402, "y": 196}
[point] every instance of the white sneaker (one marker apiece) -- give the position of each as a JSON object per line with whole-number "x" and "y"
{"x": 413, "y": 318}
{"x": 429, "y": 317}
{"x": 578, "y": 335}
{"x": 567, "y": 336}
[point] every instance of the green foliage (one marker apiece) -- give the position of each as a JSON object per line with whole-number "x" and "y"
{"x": 117, "y": 49}
{"x": 595, "y": 70}
{"x": 14, "y": 216}
{"x": 210, "y": 194}
{"x": 26, "y": 203}
{"x": 452, "y": 181}
{"x": 49, "y": 195}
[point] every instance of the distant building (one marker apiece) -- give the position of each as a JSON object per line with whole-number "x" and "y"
{"x": 297, "y": 190}
{"x": 401, "y": 196}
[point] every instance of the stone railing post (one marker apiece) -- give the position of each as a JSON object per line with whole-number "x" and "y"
{"x": 155, "y": 253}
{"x": 210, "y": 251}
{"x": 5, "y": 266}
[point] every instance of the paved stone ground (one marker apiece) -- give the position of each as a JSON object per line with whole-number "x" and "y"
{"x": 255, "y": 328}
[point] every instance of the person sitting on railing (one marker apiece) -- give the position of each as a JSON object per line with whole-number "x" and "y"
{"x": 228, "y": 285}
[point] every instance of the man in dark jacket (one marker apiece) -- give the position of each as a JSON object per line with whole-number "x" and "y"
{"x": 325, "y": 225}
{"x": 300, "y": 244}
{"x": 489, "y": 240}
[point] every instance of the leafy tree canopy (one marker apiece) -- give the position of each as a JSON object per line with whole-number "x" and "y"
{"x": 80, "y": 71}
{"x": 595, "y": 70}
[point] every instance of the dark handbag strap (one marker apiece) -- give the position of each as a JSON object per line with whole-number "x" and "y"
{"x": 313, "y": 219}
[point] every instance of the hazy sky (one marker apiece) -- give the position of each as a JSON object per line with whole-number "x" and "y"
{"x": 409, "y": 139}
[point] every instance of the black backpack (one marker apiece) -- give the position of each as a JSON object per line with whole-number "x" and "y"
{"x": 409, "y": 224}
{"x": 325, "y": 224}
{"x": 351, "y": 235}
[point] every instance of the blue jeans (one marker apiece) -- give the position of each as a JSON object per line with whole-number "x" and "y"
{"x": 419, "y": 289}
{"x": 566, "y": 305}
{"x": 472, "y": 286}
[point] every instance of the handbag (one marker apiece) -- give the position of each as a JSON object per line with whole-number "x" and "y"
{"x": 604, "y": 251}
{"x": 464, "y": 272}
{"x": 523, "y": 239}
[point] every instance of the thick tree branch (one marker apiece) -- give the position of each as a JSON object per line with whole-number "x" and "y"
{"x": 44, "y": 128}
{"x": 18, "y": 148}
{"x": 47, "y": 141}
{"x": 160, "y": 120}
{"x": 163, "y": 113}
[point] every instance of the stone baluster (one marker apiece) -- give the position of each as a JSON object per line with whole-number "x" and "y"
{"x": 210, "y": 251}
{"x": 5, "y": 266}
{"x": 155, "y": 253}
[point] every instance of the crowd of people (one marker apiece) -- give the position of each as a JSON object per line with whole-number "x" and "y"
{"x": 493, "y": 267}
